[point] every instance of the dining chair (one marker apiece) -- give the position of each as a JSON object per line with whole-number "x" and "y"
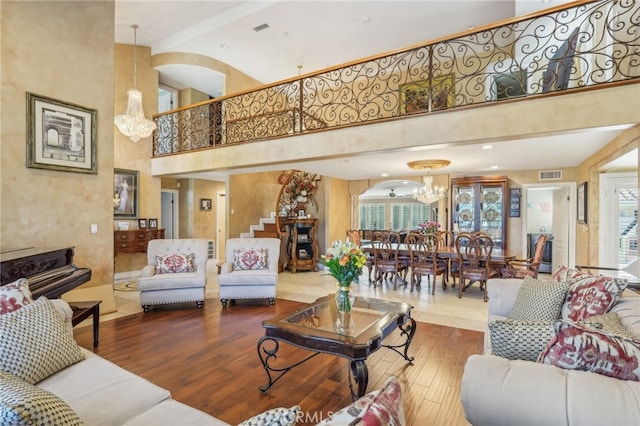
{"x": 447, "y": 241}
{"x": 386, "y": 258}
{"x": 520, "y": 268}
{"x": 354, "y": 236}
{"x": 474, "y": 261}
{"x": 423, "y": 252}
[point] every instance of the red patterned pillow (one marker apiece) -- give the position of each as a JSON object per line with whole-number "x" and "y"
{"x": 580, "y": 347}
{"x": 14, "y": 296}
{"x": 591, "y": 295}
{"x": 249, "y": 260}
{"x": 175, "y": 263}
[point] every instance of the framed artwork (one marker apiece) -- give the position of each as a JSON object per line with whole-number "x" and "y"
{"x": 142, "y": 223}
{"x": 419, "y": 96}
{"x": 205, "y": 204}
{"x": 125, "y": 193}
{"x": 514, "y": 202}
{"x": 60, "y": 135}
{"x": 582, "y": 203}
{"x": 301, "y": 213}
{"x": 153, "y": 224}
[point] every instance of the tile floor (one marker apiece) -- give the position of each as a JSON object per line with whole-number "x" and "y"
{"x": 469, "y": 312}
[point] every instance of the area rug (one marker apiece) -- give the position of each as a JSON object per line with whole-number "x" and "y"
{"x": 126, "y": 286}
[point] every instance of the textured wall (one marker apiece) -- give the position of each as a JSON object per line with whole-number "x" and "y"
{"x": 62, "y": 51}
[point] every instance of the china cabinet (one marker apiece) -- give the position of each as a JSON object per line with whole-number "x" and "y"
{"x": 302, "y": 246}
{"x": 478, "y": 204}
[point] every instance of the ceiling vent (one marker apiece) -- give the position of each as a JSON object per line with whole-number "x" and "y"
{"x": 261, "y": 27}
{"x": 550, "y": 175}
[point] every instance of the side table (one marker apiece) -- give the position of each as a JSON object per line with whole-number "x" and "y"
{"x": 82, "y": 311}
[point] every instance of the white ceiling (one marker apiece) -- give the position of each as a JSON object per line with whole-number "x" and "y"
{"x": 320, "y": 34}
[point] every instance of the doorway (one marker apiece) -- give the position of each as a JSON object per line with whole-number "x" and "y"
{"x": 550, "y": 209}
{"x": 169, "y": 208}
{"x": 221, "y": 225}
{"x": 618, "y": 236}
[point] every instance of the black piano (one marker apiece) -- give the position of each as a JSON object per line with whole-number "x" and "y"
{"x": 50, "y": 271}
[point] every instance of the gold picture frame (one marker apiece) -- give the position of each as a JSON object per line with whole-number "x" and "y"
{"x": 417, "y": 97}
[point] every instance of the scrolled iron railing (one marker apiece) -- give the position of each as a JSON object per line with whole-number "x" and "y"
{"x": 592, "y": 44}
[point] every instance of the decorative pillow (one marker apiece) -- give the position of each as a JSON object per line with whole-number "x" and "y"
{"x": 523, "y": 340}
{"x": 538, "y": 300}
{"x": 275, "y": 417}
{"x": 379, "y": 408}
{"x": 609, "y": 323}
{"x": 590, "y": 295}
{"x": 35, "y": 343}
{"x": 246, "y": 260}
{"x": 579, "y": 347}
{"x": 22, "y": 403}
{"x": 175, "y": 263}
{"x": 14, "y": 296}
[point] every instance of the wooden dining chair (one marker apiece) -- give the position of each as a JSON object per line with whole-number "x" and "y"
{"x": 447, "y": 241}
{"x": 386, "y": 259}
{"x": 354, "y": 236}
{"x": 520, "y": 268}
{"x": 423, "y": 252}
{"x": 474, "y": 261}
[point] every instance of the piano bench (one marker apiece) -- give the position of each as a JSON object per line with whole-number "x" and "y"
{"x": 82, "y": 311}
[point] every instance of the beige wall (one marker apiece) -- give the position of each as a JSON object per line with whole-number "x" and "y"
{"x": 249, "y": 198}
{"x": 66, "y": 52}
{"x": 204, "y": 222}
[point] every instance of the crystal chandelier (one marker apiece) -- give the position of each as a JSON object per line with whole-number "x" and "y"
{"x": 133, "y": 123}
{"x": 428, "y": 194}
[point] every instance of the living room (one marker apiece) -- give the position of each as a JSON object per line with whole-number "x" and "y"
{"x": 70, "y": 55}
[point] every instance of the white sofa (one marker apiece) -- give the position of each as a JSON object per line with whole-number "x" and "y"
{"x": 182, "y": 287}
{"x": 499, "y": 391}
{"x": 255, "y": 281}
{"x": 101, "y": 393}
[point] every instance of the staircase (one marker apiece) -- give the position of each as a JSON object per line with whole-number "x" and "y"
{"x": 266, "y": 228}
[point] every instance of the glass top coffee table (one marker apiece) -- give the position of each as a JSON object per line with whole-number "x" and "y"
{"x": 316, "y": 328}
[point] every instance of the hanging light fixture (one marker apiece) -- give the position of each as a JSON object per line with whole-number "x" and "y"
{"x": 428, "y": 194}
{"x": 133, "y": 123}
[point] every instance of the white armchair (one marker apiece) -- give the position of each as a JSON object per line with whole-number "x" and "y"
{"x": 250, "y": 270}
{"x": 175, "y": 273}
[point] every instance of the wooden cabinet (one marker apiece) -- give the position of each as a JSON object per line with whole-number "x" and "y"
{"x": 135, "y": 241}
{"x": 302, "y": 246}
{"x": 480, "y": 204}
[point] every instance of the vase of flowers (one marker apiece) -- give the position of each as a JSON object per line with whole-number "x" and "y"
{"x": 429, "y": 227}
{"x": 345, "y": 262}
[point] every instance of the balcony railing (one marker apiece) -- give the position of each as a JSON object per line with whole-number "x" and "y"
{"x": 573, "y": 49}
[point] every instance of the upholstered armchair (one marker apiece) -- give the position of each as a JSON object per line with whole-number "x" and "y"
{"x": 175, "y": 272}
{"x": 250, "y": 270}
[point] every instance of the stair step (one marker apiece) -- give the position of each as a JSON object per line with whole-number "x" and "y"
{"x": 265, "y": 234}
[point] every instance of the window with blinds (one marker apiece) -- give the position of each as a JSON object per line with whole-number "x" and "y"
{"x": 372, "y": 216}
{"x": 409, "y": 216}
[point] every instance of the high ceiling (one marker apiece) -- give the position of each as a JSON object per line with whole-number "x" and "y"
{"x": 320, "y": 34}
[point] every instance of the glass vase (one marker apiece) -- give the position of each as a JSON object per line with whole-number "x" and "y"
{"x": 344, "y": 298}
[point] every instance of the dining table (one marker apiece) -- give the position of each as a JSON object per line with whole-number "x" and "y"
{"x": 499, "y": 257}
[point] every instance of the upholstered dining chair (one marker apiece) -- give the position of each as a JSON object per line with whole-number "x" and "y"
{"x": 354, "y": 236}
{"x": 386, "y": 258}
{"x": 423, "y": 252}
{"x": 520, "y": 268}
{"x": 474, "y": 261}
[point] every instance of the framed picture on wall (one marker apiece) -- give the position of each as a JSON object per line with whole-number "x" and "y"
{"x": 582, "y": 203}
{"x": 125, "y": 193}
{"x": 60, "y": 135}
{"x": 205, "y": 204}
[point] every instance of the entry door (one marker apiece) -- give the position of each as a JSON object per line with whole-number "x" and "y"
{"x": 560, "y": 244}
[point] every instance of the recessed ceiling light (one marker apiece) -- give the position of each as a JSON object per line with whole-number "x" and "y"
{"x": 487, "y": 146}
{"x": 404, "y": 182}
{"x": 384, "y": 174}
{"x": 495, "y": 167}
{"x": 224, "y": 46}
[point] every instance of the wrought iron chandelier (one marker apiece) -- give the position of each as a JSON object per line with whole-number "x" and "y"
{"x": 428, "y": 194}
{"x": 133, "y": 123}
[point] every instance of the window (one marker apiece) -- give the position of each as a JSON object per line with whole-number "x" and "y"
{"x": 372, "y": 216}
{"x": 409, "y": 215}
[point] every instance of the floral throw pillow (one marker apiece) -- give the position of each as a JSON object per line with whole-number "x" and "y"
{"x": 14, "y": 296}
{"x": 249, "y": 260}
{"x": 580, "y": 347}
{"x": 275, "y": 417}
{"x": 591, "y": 295}
{"x": 175, "y": 263}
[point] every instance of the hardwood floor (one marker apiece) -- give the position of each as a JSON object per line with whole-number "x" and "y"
{"x": 207, "y": 358}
